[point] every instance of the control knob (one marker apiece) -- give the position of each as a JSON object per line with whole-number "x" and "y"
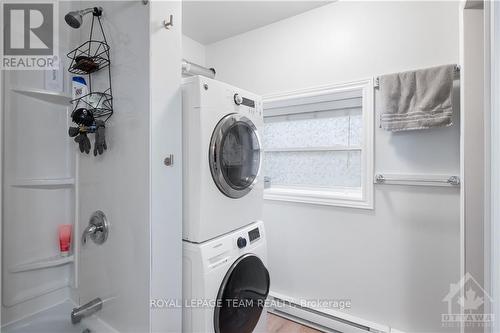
{"x": 241, "y": 242}
{"x": 238, "y": 99}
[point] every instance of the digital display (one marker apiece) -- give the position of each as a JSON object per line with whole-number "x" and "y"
{"x": 254, "y": 234}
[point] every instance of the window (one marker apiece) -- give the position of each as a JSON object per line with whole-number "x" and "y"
{"x": 318, "y": 145}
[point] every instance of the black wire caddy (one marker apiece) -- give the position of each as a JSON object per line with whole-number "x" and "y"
{"x": 92, "y": 110}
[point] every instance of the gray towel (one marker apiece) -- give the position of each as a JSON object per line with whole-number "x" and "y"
{"x": 417, "y": 99}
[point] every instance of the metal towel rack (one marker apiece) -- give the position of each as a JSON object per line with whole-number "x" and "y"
{"x": 417, "y": 180}
{"x": 376, "y": 82}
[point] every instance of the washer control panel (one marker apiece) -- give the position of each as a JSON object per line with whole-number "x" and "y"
{"x": 254, "y": 234}
{"x": 248, "y": 237}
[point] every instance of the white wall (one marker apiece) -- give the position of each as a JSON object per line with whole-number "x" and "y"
{"x": 193, "y": 51}
{"x": 117, "y": 182}
{"x": 130, "y": 182}
{"x": 474, "y": 147}
{"x": 166, "y": 181}
{"x": 394, "y": 262}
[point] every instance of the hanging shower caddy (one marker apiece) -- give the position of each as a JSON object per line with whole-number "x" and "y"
{"x": 93, "y": 109}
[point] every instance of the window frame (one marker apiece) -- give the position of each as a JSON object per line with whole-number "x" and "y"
{"x": 342, "y": 197}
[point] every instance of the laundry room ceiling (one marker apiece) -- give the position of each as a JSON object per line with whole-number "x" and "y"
{"x": 210, "y": 21}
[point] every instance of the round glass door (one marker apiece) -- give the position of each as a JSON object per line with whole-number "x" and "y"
{"x": 235, "y": 155}
{"x": 241, "y": 296}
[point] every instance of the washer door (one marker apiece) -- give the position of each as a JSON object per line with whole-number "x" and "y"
{"x": 235, "y": 155}
{"x": 241, "y": 296}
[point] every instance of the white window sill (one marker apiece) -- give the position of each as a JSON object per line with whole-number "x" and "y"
{"x": 341, "y": 197}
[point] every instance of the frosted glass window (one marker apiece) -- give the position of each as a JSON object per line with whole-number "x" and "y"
{"x": 356, "y": 129}
{"x": 328, "y": 169}
{"x": 318, "y": 145}
{"x": 315, "y": 148}
{"x": 339, "y": 128}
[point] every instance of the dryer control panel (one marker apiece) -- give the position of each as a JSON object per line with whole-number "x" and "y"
{"x": 245, "y": 104}
{"x": 239, "y": 100}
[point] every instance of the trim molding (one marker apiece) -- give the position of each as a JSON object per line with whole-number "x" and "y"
{"x": 318, "y": 197}
{"x": 333, "y": 320}
{"x": 495, "y": 157}
{"x": 2, "y": 109}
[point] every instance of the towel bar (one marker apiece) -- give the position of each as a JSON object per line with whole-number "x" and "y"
{"x": 376, "y": 81}
{"x": 417, "y": 180}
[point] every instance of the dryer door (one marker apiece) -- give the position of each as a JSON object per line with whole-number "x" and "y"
{"x": 235, "y": 156}
{"x": 241, "y": 296}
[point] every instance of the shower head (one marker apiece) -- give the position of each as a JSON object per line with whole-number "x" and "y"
{"x": 75, "y": 18}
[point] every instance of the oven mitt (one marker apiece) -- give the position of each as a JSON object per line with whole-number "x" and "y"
{"x": 84, "y": 142}
{"x": 100, "y": 138}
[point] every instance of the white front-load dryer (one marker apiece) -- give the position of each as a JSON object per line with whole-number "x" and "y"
{"x": 226, "y": 283}
{"x": 222, "y": 155}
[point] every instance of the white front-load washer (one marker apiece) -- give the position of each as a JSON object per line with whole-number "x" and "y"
{"x": 226, "y": 283}
{"x": 222, "y": 154}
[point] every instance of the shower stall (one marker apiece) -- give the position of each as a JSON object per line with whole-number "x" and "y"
{"x": 46, "y": 182}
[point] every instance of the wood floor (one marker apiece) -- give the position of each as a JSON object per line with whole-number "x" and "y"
{"x": 276, "y": 324}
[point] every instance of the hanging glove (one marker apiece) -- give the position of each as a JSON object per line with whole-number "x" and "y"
{"x": 84, "y": 142}
{"x": 73, "y": 131}
{"x": 83, "y": 117}
{"x": 100, "y": 138}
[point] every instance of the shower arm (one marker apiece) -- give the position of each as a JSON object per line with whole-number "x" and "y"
{"x": 96, "y": 11}
{"x": 87, "y": 11}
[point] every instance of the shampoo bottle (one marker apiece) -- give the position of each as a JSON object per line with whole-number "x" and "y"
{"x": 79, "y": 87}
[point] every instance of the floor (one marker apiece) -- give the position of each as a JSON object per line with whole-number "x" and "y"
{"x": 276, "y": 324}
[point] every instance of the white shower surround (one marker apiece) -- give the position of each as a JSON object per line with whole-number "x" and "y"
{"x": 142, "y": 257}
{"x": 39, "y": 162}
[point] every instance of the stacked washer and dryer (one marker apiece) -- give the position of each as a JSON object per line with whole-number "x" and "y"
{"x": 225, "y": 279}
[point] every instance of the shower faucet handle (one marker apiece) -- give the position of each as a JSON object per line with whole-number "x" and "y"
{"x": 97, "y": 229}
{"x": 90, "y": 230}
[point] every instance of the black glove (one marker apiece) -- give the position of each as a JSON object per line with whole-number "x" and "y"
{"x": 73, "y": 131}
{"x": 84, "y": 142}
{"x": 100, "y": 138}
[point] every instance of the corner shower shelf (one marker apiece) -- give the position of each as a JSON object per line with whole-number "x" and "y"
{"x": 45, "y": 95}
{"x": 42, "y": 263}
{"x": 44, "y": 183}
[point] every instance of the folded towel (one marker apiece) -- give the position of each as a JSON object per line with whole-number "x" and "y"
{"x": 417, "y": 99}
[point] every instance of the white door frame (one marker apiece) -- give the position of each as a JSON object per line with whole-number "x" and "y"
{"x": 1, "y": 178}
{"x": 495, "y": 158}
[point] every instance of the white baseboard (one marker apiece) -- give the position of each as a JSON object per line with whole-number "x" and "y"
{"x": 323, "y": 320}
{"x": 302, "y": 321}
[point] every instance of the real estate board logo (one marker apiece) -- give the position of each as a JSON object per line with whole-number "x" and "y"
{"x": 466, "y": 302}
{"x": 29, "y": 38}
